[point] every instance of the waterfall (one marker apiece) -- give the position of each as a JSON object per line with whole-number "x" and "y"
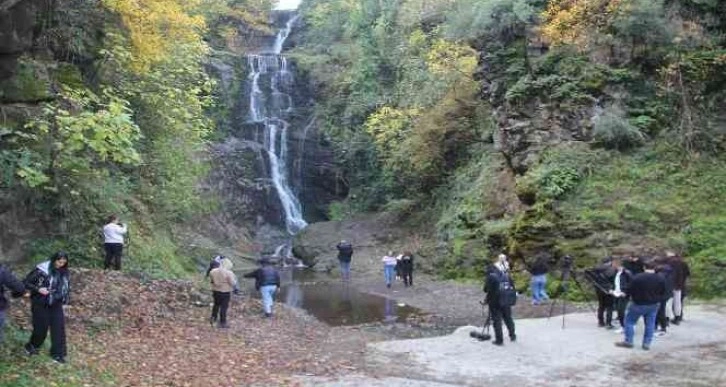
{"x": 269, "y": 104}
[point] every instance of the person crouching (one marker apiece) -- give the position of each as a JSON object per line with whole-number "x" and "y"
{"x": 224, "y": 283}
{"x": 267, "y": 282}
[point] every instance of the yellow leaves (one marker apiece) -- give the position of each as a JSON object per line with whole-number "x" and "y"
{"x": 574, "y": 21}
{"x": 389, "y": 125}
{"x": 158, "y": 27}
{"x": 445, "y": 57}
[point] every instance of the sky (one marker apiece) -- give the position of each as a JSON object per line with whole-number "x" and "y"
{"x": 287, "y": 4}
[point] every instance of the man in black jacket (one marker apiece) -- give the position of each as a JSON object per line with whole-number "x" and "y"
{"x": 621, "y": 289}
{"x": 646, "y": 290}
{"x": 17, "y": 289}
{"x": 267, "y": 282}
{"x": 345, "y": 255}
{"x": 497, "y": 282}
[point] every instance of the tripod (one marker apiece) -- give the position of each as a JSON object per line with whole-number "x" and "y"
{"x": 567, "y": 273}
{"x": 484, "y": 334}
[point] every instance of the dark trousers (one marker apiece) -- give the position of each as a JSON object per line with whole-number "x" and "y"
{"x": 407, "y": 274}
{"x": 497, "y": 314}
{"x": 621, "y": 304}
{"x": 113, "y": 255}
{"x": 221, "y": 304}
{"x": 661, "y": 320}
{"x": 604, "y": 308}
{"x": 52, "y": 317}
{"x": 2, "y": 325}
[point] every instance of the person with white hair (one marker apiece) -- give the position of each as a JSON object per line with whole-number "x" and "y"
{"x": 501, "y": 296}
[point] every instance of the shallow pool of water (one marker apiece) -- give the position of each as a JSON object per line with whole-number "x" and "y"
{"x": 337, "y": 303}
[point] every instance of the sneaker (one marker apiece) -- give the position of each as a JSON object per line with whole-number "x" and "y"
{"x": 268, "y": 315}
{"x": 513, "y": 338}
{"x": 59, "y": 359}
{"x": 498, "y": 343}
{"x": 610, "y": 327}
{"x": 601, "y": 325}
{"x": 646, "y": 347}
{"x": 30, "y": 350}
{"x": 619, "y": 330}
{"x": 660, "y": 333}
{"x": 212, "y": 320}
{"x": 388, "y": 286}
{"x": 222, "y": 326}
{"x": 624, "y": 344}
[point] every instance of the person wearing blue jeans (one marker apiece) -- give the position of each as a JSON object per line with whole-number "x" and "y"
{"x": 268, "y": 294}
{"x": 267, "y": 281}
{"x": 538, "y": 281}
{"x": 646, "y": 291}
{"x": 389, "y": 268}
{"x": 345, "y": 255}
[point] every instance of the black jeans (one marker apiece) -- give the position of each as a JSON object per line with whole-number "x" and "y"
{"x": 407, "y": 274}
{"x": 43, "y": 318}
{"x": 113, "y": 255}
{"x": 621, "y": 304}
{"x": 497, "y": 314}
{"x": 2, "y": 325}
{"x": 661, "y": 320}
{"x": 221, "y": 304}
{"x": 604, "y": 308}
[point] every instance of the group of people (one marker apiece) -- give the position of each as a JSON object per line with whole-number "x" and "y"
{"x": 394, "y": 265}
{"x": 398, "y": 266}
{"x": 48, "y": 287}
{"x": 652, "y": 288}
{"x": 224, "y": 283}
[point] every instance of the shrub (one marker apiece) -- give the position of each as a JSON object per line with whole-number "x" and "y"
{"x": 613, "y": 130}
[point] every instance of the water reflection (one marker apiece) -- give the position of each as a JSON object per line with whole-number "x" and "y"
{"x": 337, "y": 303}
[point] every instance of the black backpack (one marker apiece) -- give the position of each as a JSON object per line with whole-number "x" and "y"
{"x": 507, "y": 292}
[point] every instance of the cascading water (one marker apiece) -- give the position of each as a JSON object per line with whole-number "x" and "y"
{"x": 270, "y": 104}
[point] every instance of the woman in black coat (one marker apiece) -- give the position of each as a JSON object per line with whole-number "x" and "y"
{"x": 49, "y": 286}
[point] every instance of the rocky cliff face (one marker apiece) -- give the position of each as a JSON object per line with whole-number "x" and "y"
{"x": 17, "y": 24}
{"x": 241, "y": 172}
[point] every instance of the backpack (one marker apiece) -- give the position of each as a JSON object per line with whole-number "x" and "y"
{"x": 507, "y": 292}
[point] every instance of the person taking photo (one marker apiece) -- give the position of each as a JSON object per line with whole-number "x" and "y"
{"x": 113, "y": 238}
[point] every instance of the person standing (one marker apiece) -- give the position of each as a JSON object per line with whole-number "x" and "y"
{"x": 646, "y": 291}
{"x": 603, "y": 275}
{"x": 664, "y": 270}
{"x": 621, "y": 286}
{"x": 389, "y": 268}
{"x": 681, "y": 272}
{"x": 113, "y": 238}
{"x": 538, "y": 281}
{"x": 500, "y": 297}
{"x": 49, "y": 286}
{"x": 345, "y": 255}
{"x": 267, "y": 282}
{"x": 224, "y": 283}
{"x": 17, "y": 289}
{"x": 406, "y": 268}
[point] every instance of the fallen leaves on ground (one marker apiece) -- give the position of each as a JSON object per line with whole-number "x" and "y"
{"x": 158, "y": 333}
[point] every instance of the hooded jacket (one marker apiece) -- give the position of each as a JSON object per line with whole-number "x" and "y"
{"x": 7, "y": 279}
{"x": 57, "y": 281}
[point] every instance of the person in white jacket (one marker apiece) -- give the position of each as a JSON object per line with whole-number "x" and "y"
{"x": 113, "y": 238}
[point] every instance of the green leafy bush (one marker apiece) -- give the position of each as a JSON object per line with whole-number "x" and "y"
{"x": 613, "y": 130}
